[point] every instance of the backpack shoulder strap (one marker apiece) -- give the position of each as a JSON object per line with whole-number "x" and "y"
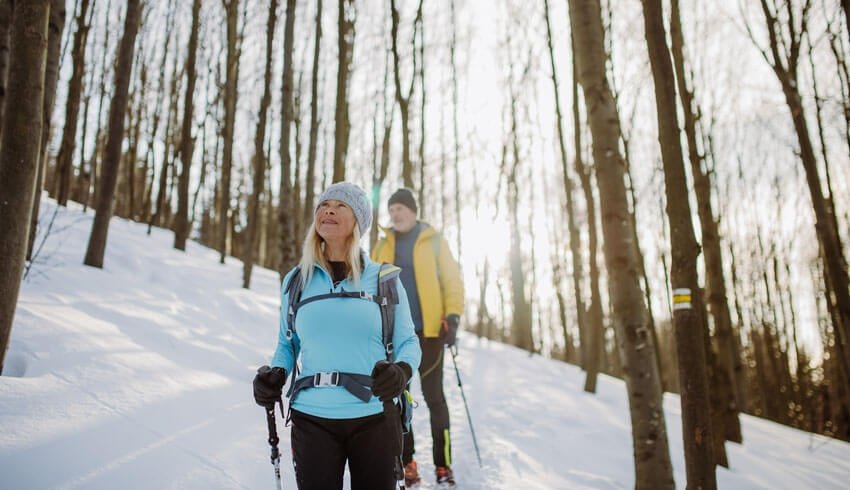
{"x": 387, "y": 277}
{"x": 293, "y": 290}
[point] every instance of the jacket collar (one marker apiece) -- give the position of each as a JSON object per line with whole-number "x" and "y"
{"x": 426, "y": 232}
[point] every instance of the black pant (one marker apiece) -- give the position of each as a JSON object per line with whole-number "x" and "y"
{"x": 431, "y": 377}
{"x": 321, "y": 447}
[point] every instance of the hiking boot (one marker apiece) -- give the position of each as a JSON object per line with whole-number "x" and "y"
{"x": 411, "y": 474}
{"x": 445, "y": 478}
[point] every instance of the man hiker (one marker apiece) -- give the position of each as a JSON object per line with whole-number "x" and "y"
{"x": 431, "y": 277}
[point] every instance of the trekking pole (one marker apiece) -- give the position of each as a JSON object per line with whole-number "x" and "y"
{"x": 273, "y": 440}
{"x": 392, "y": 413}
{"x": 453, "y": 350}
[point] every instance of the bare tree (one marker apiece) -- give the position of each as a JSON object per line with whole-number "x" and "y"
{"x": 575, "y": 241}
{"x": 259, "y": 160}
{"x": 187, "y": 143}
{"x": 288, "y": 215}
{"x": 380, "y": 172}
{"x": 231, "y": 8}
{"x": 785, "y": 37}
{"x": 19, "y": 150}
{"x": 724, "y": 385}
{"x": 345, "y": 44}
{"x": 688, "y": 308}
{"x": 162, "y": 204}
{"x": 154, "y": 122}
{"x": 455, "y": 130}
{"x": 65, "y": 157}
{"x": 115, "y": 137}
{"x": 400, "y": 97}
{"x": 649, "y": 434}
{"x": 55, "y": 26}
{"x": 310, "y": 178}
{"x": 6, "y": 9}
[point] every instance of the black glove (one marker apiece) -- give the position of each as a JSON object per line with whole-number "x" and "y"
{"x": 268, "y": 384}
{"x": 450, "y": 325}
{"x": 389, "y": 379}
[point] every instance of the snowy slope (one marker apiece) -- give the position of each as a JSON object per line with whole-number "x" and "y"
{"x": 138, "y": 376}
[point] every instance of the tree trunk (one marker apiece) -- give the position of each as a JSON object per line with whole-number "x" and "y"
{"x": 187, "y": 143}
{"x": 521, "y": 325}
{"x": 381, "y": 172}
{"x": 230, "y": 95}
{"x": 402, "y": 99}
{"x": 287, "y": 212}
{"x": 115, "y": 137}
{"x": 575, "y": 240}
{"x": 653, "y": 469}
{"x": 345, "y": 46}
{"x": 310, "y": 178}
{"x": 55, "y": 26}
{"x": 162, "y": 203}
{"x": 835, "y": 266}
{"x": 688, "y": 309}
{"x": 6, "y": 9}
{"x": 455, "y": 130}
{"x": 259, "y": 160}
{"x": 715, "y": 284}
{"x": 594, "y": 336}
{"x": 19, "y": 150}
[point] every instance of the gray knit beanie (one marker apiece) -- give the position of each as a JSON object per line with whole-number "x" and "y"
{"x": 355, "y": 198}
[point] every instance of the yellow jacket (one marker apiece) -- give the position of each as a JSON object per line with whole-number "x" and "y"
{"x": 438, "y": 280}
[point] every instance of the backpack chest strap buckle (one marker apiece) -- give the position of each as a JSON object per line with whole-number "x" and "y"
{"x": 326, "y": 379}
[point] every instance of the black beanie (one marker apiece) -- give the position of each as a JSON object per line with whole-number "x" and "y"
{"x": 403, "y": 196}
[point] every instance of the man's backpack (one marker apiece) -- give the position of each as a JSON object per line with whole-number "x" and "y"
{"x": 357, "y": 384}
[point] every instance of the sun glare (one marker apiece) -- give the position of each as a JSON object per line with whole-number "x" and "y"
{"x": 484, "y": 239}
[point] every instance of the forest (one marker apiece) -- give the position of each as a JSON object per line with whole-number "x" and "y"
{"x": 647, "y": 189}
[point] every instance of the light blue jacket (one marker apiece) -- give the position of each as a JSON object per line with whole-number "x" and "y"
{"x": 341, "y": 334}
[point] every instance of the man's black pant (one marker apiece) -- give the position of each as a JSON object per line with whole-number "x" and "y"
{"x": 431, "y": 377}
{"x": 321, "y": 447}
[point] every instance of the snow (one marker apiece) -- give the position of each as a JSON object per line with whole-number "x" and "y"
{"x": 139, "y": 376}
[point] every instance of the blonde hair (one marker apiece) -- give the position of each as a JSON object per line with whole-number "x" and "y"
{"x": 313, "y": 251}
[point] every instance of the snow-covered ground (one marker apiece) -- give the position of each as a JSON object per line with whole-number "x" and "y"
{"x": 139, "y": 376}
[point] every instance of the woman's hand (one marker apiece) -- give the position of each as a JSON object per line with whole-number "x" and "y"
{"x": 389, "y": 379}
{"x": 268, "y": 384}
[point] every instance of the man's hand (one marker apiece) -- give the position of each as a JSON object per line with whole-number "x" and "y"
{"x": 450, "y": 326}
